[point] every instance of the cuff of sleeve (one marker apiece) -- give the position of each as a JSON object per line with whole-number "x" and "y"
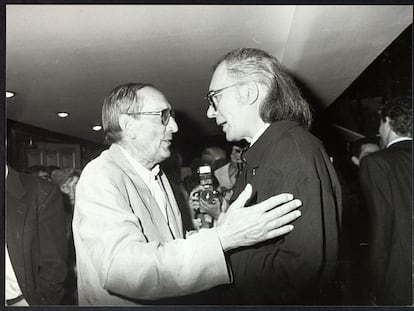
{"x": 218, "y": 269}
{"x": 229, "y": 270}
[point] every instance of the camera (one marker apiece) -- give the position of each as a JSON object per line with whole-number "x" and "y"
{"x": 207, "y": 194}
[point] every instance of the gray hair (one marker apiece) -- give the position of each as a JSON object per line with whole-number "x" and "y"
{"x": 122, "y": 99}
{"x": 283, "y": 100}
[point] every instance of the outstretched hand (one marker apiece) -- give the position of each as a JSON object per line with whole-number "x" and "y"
{"x": 241, "y": 226}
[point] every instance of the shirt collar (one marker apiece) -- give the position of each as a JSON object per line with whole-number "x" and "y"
{"x": 398, "y": 140}
{"x": 259, "y": 133}
{"x": 146, "y": 174}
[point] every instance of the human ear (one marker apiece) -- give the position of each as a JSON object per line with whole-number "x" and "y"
{"x": 387, "y": 123}
{"x": 125, "y": 124}
{"x": 250, "y": 92}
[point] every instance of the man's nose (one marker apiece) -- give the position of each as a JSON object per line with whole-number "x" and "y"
{"x": 172, "y": 126}
{"x": 211, "y": 112}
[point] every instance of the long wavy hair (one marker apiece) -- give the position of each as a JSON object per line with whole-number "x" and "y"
{"x": 283, "y": 100}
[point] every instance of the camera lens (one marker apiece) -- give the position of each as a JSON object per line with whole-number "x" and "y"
{"x": 207, "y": 195}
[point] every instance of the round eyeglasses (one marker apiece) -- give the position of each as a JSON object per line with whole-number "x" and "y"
{"x": 211, "y": 95}
{"x": 165, "y": 114}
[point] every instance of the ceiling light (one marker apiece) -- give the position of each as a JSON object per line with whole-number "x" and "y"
{"x": 31, "y": 144}
{"x": 97, "y": 128}
{"x": 62, "y": 114}
{"x": 10, "y": 94}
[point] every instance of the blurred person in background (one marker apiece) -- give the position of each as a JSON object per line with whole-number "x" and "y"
{"x": 362, "y": 147}
{"x": 358, "y": 217}
{"x": 50, "y": 169}
{"x": 40, "y": 171}
{"x": 386, "y": 180}
{"x": 223, "y": 179}
{"x": 228, "y": 173}
{"x": 354, "y": 233}
{"x": 67, "y": 180}
{"x": 224, "y": 172}
{"x": 36, "y": 251}
{"x": 213, "y": 156}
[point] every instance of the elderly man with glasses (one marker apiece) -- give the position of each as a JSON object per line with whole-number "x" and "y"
{"x": 252, "y": 98}
{"x": 130, "y": 245}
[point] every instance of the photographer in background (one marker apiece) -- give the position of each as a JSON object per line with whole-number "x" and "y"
{"x": 212, "y": 194}
{"x": 205, "y": 201}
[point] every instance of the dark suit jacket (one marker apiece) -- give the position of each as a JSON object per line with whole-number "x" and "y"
{"x": 36, "y": 239}
{"x": 386, "y": 180}
{"x": 291, "y": 269}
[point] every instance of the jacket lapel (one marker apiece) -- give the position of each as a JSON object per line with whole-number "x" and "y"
{"x": 175, "y": 221}
{"x": 143, "y": 192}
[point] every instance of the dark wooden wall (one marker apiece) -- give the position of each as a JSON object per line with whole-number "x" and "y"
{"x": 19, "y": 136}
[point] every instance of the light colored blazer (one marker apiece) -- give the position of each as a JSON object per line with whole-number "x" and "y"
{"x": 125, "y": 251}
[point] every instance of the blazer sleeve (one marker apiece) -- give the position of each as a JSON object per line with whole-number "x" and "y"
{"x": 376, "y": 192}
{"x": 52, "y": 246}
{"x": 127, "y": 262}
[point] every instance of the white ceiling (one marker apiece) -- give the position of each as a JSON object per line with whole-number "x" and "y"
{"x": 68, "y": 57}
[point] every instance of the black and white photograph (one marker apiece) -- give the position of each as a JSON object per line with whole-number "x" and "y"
{"x": 210, "y": 154}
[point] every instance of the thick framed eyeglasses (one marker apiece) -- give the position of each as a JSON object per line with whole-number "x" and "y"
{"x": 211, "y": 96}
{"x": 165, "y": 114}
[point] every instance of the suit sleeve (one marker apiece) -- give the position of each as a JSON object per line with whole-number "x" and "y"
{"x": 113, "y": 240}
{"x": 376, "y": 192}
{"x": 52, "y": 247}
